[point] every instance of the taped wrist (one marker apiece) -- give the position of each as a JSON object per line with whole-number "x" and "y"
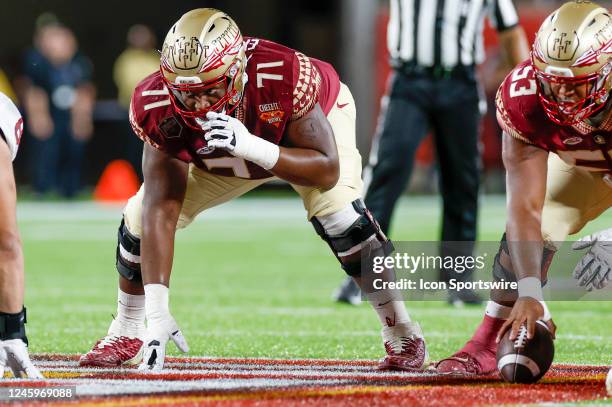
{"x": 530, "y": 287}
{"x": 12, "y": 326}
{"x": 156, "y": 301}
{"x": 258, "y": 151}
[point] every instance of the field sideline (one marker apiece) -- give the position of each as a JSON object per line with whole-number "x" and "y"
{"x": 252, "y": 279}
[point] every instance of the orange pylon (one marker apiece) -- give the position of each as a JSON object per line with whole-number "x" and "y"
{"x": 117, "y": 183}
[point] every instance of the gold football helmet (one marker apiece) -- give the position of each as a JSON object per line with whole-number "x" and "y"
{"x": 572, "y": 59}
{"x": 204, "y": 49}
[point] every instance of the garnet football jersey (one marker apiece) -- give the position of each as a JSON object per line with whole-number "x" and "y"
{"x": 521, "y": 116}
{"x": 283, "y": 85}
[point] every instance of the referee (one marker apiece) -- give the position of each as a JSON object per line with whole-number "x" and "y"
{"x": 435, "y": 46}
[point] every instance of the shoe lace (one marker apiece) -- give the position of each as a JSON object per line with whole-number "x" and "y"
{"x": 407, "y": 345}
{"x": 109, "y": 340}
{"x": 122, "y": 345}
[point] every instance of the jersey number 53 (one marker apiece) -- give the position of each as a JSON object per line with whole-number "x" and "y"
{"x": 522, "y": 85}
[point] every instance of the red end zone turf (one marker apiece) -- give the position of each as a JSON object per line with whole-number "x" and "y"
{"x": 282, "y": 382}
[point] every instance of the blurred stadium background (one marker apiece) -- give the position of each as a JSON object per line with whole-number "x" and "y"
{"x": 348, "y": 33}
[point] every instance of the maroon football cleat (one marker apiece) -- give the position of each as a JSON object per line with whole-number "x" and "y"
{"x": 477, "y": 357}
{"x": 113, "y": 351}
{"x": 405, "y": 347}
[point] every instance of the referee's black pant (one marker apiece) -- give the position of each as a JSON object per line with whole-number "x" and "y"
{"x": 415, "y": 104}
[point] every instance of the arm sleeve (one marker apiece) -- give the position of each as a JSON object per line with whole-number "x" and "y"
{"x": 307, "y": 85}
{"x": 503, "y": 15}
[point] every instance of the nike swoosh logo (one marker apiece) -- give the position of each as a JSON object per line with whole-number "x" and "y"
{"x": 340, "y": 106}
{"x": 384, "y": 303}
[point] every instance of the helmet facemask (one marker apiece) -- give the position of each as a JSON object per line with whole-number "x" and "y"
{"x": 189, "y": 87}
{"x": 590, "y": 94}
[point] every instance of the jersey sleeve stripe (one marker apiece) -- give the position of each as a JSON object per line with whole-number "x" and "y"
{"x": 155, "y": 92}
{"x": 153, "y": 105}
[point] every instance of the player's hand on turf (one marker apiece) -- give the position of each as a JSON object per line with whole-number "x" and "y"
{"x": 594, "y": 270}
{"x": 526, "y": 311}
{"x": 14, "y": 356}
{"x": 159, "y": 331}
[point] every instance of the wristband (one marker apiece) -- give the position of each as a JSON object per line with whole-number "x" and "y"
{"x": 156, "y": 301}
{"x": 258, "y": 151}
{"x": 530, "y": 287}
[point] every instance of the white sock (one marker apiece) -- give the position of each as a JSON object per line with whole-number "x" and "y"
{"x": 496, "y": 310}
{"x": 389, "y": 310}
{"x": 130, "y": 320}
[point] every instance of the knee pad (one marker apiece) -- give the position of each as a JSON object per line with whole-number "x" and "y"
{"x": 128, "y": 254}
{"x": 500, "y": 272}
{"x": 352, "y": 232}
{"x": 12, "y": 326}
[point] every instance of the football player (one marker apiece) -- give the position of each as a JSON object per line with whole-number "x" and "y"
{"x": 223, "y": 115}
{"x": 556, "y": 115}
{"x": 13, "y": 340}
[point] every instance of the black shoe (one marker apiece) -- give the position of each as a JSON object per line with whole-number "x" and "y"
{"x": 348, "y": 292}
{"x": 464, "y": 297}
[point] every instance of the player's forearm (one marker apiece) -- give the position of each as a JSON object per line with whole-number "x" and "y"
{"x": 523, "y": 232}
{"x": 11, "y": 252}
{"x": 157, "y": 246}
{"x": 307, "y": 167}
{"x": 525, "y": 244}
{"x": 11, "y": 273}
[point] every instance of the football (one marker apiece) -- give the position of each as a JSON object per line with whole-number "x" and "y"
{"x": 525, "y": 360}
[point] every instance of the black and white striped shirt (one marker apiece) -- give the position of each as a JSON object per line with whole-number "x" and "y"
{"x": 444, "y": 33}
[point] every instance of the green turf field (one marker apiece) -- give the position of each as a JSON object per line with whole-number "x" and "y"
{"x": 251, "y": 278}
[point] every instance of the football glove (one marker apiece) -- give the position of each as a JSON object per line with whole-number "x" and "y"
{"x": 161, "y": 327}
{"x": 14, "y": 356}
{"x": 227, "y": 133}
{"x": 156, "y": 338}
{"x": 594, "y": 270}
